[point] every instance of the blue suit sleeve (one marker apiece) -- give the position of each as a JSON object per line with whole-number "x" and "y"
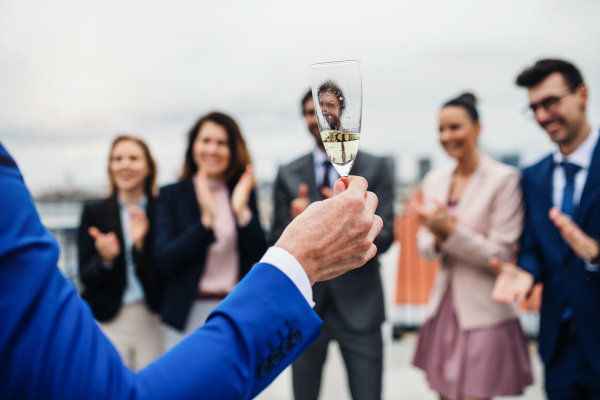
{"x": 51, "y": 347}
{"x": 253, "y": 335}
{"x": 529, "y": 254}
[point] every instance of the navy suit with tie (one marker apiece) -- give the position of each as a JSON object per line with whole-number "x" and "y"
{"x": 51, "y": 347}
{"x": 569, "y": 338}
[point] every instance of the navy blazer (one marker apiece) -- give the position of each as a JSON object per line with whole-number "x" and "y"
{"x": 103, "y": 287}
{"x": 51, "y": 347}
{"x": 546, "y": 255}
{"x": 181, "y": 244}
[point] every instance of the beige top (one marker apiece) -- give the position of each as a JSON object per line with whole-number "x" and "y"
{"x": 489, "y": 222}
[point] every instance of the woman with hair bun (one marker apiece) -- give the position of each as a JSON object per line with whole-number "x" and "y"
{"x": 470, "y": 347}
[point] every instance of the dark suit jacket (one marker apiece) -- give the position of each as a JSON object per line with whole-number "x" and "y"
{"x": 358, "y": 294}
{"x": 182, "y": 242}
{"x": 546, "y": 255}
{"x": 104, "y": 287}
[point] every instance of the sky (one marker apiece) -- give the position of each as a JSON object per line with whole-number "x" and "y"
{"x": 75, "y": 74}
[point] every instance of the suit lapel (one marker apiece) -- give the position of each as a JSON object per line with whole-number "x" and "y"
{"x": 590, "y": 190}
{"x": 308, "y": 176}
{"x": 113, "y": 218}
{"x": 470, "y": 193}
{"x": 189, "y": 193}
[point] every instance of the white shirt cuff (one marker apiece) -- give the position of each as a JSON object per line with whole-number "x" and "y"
{"x": 592, "y": 267}
{"x": 288, "y": 264}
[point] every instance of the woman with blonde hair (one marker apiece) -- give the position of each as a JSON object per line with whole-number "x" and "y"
{"x": 121, "y": 283}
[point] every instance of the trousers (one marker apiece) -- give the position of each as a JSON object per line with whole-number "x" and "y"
{"x": 362, "y": 353}
{"x": 569, "y": 374}
{"x": 137, "y": 334}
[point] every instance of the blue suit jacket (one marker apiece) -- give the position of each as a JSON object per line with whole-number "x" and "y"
{"x": 51, "y": 347}
{"x": 549, "y": 258}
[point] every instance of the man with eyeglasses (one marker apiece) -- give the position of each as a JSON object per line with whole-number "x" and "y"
{"x": 352, "y": 308}
{"x": 559, "y": 246}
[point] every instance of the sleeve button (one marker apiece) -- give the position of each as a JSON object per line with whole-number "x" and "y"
{"x": 295, "y": 336}
{"x": 276, "y": 358}
{"x": 286, "y": 347}
{"x": 264, "y": 369}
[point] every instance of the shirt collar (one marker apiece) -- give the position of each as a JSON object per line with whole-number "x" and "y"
{"x": 582, "y": 156}
{"x": 142, "y": 203}
{"x": 319, "y": 157}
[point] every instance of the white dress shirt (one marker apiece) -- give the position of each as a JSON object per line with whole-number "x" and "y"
{"x": 582, "y": 157}
{"x": 319, "y": 158}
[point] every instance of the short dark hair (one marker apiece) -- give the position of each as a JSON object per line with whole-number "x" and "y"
{"x": 305, "y": 99}
{"x": 541, "y": 69}
{"x": 240, "y": 157}
{"x": 329, "y": 86}
{"x": 467, "y": 101}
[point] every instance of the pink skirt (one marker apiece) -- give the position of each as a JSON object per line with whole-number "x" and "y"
{"x": 480, "y": 363}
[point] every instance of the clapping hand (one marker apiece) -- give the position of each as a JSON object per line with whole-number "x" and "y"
{"x": 206, "y": 200}
{"x": 584, "y": 246}
{"x": 299, "y": 204}
{"x": 439, "y": 222}
{"x": 138, "y": 226}
{"x": 107, "y": 244}
{"x": 512, "y": 284}
{"x": 241, "y": 194}
{"x": 327, "y": 192}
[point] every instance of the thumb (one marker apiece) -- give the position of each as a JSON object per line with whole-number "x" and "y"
{"x": 303, "y": 191}
{"x": 340, "y": 186}
{"x": 496, "y": 264}
{"x": 94, "y": 232}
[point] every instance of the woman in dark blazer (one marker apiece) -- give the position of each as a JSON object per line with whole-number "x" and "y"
{"x": 121, "y": 283}
{"x": 208, "y": 232}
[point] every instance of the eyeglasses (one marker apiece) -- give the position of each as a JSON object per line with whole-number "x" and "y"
{"x": 549, "y": 104}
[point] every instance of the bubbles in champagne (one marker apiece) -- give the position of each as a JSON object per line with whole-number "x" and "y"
{"x": 341, "y": 147}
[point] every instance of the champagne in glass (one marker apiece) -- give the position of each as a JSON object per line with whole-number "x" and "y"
{"x": 337, "y": 95}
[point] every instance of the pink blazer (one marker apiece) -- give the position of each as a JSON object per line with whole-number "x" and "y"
{"x": 489, "y": 223}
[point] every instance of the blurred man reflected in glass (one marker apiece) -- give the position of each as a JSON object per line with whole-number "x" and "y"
{"x": 351, "y": 306}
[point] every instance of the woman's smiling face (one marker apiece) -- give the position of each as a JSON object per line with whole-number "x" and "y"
{"x": 211, "y": 150}
{"x": 128, "y": 165}
{"x": 458, "y": 132}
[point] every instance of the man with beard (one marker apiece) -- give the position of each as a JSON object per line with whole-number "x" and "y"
{"x": 352, "y": 307}
{"x": 559, "y": 246}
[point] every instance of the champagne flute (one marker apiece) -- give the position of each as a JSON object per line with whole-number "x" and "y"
{"x": 337, "y": 94}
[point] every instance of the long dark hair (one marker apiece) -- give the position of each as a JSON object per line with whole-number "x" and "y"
{"x": 240, "y": 157}
{"x": 150, "y": 181}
